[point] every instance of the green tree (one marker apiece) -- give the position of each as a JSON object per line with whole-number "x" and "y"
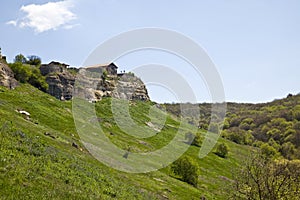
{"x": 263, "y": 178}
{"x": 187, "y": 169}
{"x": 21, "y": 72}
{"x": 240, "y": 136}
{"x": 20, "y": 58}
{"x": 193, "y": 139}
{"x": 28, "y": 74}
{"x": 226, "y": 123}
{"x": 222, "y": 150}
{"x": 34, "y": 60}
{"x": 197, "y": 140}
{"x": 287, "y": 150}
{"x": 268, "y": 151}
{"x": 247, "y": 124}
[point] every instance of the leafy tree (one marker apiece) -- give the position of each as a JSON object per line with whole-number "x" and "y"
{"x": 20, "y": 58}
{"x": 34, "y": 60}
{"x": 263, "y": 178}
{"x": 226, "y": 123}
{"x": 289, "y": 132}
{"x": 235, "y": 121}
{"x": 236, "y": 135}
{"x": 274, "y": 144}
{"x": 193, "y": 139}
{"x": 187, "y": 169}
{"x": 248, "y": 138}
{"x": 247, "y": 124}
{"x": 197, "y": 140}
{"x": 288, "y": 150}
{"x": 222, "y": 150}
{"x": 297, "y": 125}
{"x": 28, "y": 74}
{"x": 274, "y": 133}
{"x": 21, "y": 73}
{"x": 268, "y": 151}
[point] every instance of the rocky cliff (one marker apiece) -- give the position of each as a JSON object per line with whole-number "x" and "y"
{"x": 60, "y": 80}
{"x": 7, "y": 76}
{"x": 93, "y": 83}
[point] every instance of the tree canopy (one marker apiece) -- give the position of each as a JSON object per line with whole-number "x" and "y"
{"x": 30, "y": 60}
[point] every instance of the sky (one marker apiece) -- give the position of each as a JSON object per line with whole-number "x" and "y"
{"x": 254, "y": 44}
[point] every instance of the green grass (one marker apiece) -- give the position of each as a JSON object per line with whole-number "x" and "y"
{"x": 36, "y": 166}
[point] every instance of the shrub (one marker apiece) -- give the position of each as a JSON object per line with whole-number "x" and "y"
{"x": 287, "y": 150}
{"x": 192, "y": 139}
{"x": 222, "y": 150}
{"x": 268, "y": 151}
{"x": 236, "y": 135}
{"x": 197, "y": 140}
{"x": 187, "y": 169}
{"x": 29, "y": 74}
{"x": 104, "y": 75}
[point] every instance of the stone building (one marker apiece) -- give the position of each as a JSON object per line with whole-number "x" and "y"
{"x": 110, "y": 68}
{"x": 53, "y": 67}
{"x": 59, "y": 79}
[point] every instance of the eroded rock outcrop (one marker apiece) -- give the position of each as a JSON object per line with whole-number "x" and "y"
{"x": 60, "y": 80}
{"x": 7, "y": 76}
{"x": 93, "y": 83}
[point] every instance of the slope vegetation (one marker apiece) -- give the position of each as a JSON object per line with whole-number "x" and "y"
{"x": 42, "y": 157}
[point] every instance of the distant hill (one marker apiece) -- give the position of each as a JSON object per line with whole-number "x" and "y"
{"x": 275, "y": 123}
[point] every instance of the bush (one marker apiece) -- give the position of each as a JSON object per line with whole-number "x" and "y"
{"x": 222, "y": 150}
{"x": 29, "y": 74}
{"x": 30, "y": 60}
{"x": 235, "y": 135}
{"x": 197, "y": 140}
{"x": 288, "y": 150}
{"x": 268, "y": 151}
{"x": 192, "y": 139}
{"x": 187, "y": 169}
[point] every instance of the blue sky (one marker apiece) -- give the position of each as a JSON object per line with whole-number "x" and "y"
{"x": 254, "y": 44}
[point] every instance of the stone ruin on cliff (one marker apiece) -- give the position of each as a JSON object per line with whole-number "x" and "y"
{"x": 93, "y": 82}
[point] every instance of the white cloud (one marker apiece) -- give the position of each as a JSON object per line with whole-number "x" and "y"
{"x": 44, "y": 17}
{"x": 12, "y": 22}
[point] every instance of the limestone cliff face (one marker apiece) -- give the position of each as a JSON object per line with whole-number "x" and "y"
{"x": 60, "y": 80}
{"x": 7, "y": 76}
{"x": 93, "y": 83}
{"x": 130, "y": 87}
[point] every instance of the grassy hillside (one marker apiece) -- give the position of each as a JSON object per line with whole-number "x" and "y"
{"x": 43, "y": 158}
